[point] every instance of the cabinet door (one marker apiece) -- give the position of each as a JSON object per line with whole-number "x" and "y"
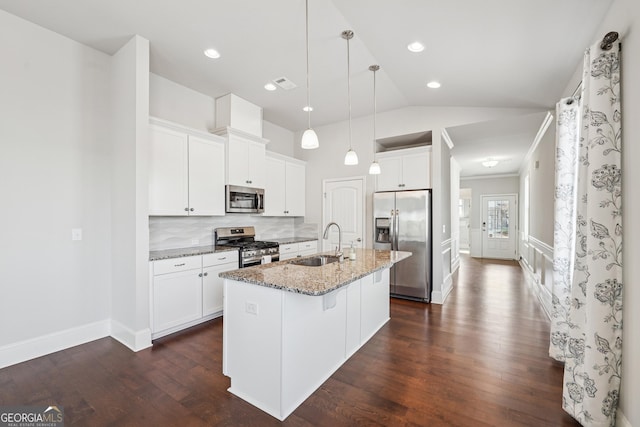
{"x": 274, "y": 189}
{"x": 256, "y": 152}
{"x": 288, "y": 251}
{"x": 212, "y": 288}
{"x": 390, "y": 174}
{"x": 295, "y": 189}
{"x": 177, "y": 299}
{"x": 206, "y": 177}
{"x": 416, "y": 171}
{"x": 237, "y": 163}
{"x": 168, "y": 164}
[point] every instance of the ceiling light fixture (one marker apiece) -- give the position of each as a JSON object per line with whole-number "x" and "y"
{"x": 433, "y": 85}
{"x": 212, "y": 53}
{"x": 270, "y": 87}
{"x": 374, "y": 169}
{"x": 307, "y": 108}
{"x": 351, "y": 158}
{"x": 489, "y": 163}
{"x": 415, "y": 47}
{"x": 309, "y": 137}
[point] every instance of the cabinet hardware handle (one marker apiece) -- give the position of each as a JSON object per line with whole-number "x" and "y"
{"x": 186, "y": 209}
{"x": 206, "y": 274}
{"x": 220, "y": 259}
{"x": 200, "y": 275}
{"x": 178, "y": 265}
{"x": 191, "y": 209}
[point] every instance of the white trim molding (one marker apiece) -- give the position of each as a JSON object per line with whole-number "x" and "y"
{"x": 536, "y": 261}
{"x": 548, "y": 119}
{"x": 135, "y": 340}
{"x": 439, "y": 297}
{"x": 447, "y": 139}
{"x": 50, "y": 343}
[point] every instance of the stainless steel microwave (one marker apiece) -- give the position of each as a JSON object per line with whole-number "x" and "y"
{"x": 244, "y": 199}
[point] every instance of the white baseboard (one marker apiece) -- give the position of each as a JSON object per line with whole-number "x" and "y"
{"x": 40, "y": 346}
{"x": 136, "y": 341}
{"x": 621, "y": 420}
{"x": 439, "y": 297}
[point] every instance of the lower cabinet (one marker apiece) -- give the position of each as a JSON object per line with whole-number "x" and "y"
{"x": 293, "y": 250}
{"x": 187, "y": 291}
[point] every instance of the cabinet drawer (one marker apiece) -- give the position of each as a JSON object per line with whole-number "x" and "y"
{"x": 176, "y": 264}
{"x": 219, "y": 258}
{"x": 308, "y": 246}
{"x": 290, "y": 248}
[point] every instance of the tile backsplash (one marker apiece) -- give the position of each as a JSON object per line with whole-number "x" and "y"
{"x": 166, "y": 232}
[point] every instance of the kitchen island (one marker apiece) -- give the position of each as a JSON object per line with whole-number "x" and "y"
{"x": 289, "y": 327}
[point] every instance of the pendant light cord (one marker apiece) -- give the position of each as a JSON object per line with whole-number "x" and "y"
{"x": 349, "y": 89}
{"x": 307, "y": 41}
{"x": 374, "y": 114}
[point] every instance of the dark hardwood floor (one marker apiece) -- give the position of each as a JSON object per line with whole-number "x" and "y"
{"x": 479, "y": 359}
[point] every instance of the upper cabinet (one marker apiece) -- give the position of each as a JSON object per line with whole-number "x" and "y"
{"x": 284, "y": 186}
{"x": 408, "y": 169}
{"x": 186, "y": 171}
{"x": 245, "y": 158}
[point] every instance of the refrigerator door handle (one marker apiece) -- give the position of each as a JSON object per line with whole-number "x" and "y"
{"x": 396, "y": 230}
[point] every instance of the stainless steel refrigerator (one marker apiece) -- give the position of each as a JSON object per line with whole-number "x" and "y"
{"x": 402, "y": 222}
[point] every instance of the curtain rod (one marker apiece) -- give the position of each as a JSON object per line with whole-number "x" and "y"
{"x": 607, "y": 43}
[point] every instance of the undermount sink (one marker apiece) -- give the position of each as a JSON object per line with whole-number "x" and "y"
{"x": 316, "y": 261}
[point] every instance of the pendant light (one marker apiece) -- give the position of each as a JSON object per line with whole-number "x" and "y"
{"x": 351, "y": 158}
{"x": 374, "y": 169}
{"x": 309, "y": 137}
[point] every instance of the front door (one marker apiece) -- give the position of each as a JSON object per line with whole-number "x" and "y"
{"x": 499, "y": 213}
{"x": 344, "y": 204}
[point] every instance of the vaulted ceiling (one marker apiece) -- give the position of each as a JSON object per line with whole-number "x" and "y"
{"x": 485, "y": 53}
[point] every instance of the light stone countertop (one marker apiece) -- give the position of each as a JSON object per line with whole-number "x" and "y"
{"x": 289, "y": 240}
{"x": 317, "y": 280}
{"x": 183, "y": 252}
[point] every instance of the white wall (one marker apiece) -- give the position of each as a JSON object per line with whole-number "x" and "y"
{"x": 541, "y": 169}
{"x": 455, "y": 214}
{"x": 179, "y": 104}
{"x": 484, "y": 186}
{"x": 624, "y": 17}
{"x": 54, "y": 176}
{"x": 327, "y": 160}
{"x": 129, "y": 206}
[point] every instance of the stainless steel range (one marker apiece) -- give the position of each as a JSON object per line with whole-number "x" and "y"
{"x": 252, "y": 252}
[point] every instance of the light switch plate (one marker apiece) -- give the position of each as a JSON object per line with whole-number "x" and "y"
{"x": 76, "y": 234}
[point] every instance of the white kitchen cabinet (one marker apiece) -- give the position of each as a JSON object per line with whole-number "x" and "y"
{"x": 177, "y": 293}
{"x": 187, "y": 291}
{"x": 284, "y": 186}
{"x": 246, "y": 162}
{"x": 186, "y": 171}
{"x": 293, "y": 250}
{"x": 212, "y": 285}
{"x": 408, "y": 169}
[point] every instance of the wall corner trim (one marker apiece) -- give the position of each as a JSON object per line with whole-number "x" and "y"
{"x": 134, "y": 340}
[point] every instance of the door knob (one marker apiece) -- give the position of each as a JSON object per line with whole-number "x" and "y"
{"x": 358, "y": 239}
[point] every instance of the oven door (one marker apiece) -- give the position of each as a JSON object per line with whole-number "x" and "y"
{"x": 244, "y": 199}
{"x": 257, "y": 260}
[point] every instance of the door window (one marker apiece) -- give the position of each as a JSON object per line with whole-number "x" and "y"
{"x": 498, "y": 219}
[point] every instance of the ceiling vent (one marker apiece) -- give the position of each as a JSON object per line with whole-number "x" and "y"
{"x": 285, "y": 83}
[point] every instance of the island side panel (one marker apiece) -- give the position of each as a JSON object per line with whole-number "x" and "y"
{"x": 314, "y": 334}
{"x": 374, "y": 303}
{"x": 353, "y": 339}
{"x": 252, "y": 344}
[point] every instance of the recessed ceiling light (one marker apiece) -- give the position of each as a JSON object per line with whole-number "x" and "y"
{"x": 212, "y": 53}
{"x": 270, "y": 87}
{"x": 307, "y": 108}
{"x": 489, "y": 163}
{"x": 433, "y": 85}
{"x": 415, "y": 47}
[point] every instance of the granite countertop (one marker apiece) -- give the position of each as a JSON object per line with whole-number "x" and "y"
{"x": 288, "y": 240}
{"x": 317, "y": 280}
{"x": 182, "y": 252}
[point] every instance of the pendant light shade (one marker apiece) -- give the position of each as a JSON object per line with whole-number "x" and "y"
{"x": 309, "y": 137}
{"x": 374, "y": 169}
{"x": 351, "y": 158}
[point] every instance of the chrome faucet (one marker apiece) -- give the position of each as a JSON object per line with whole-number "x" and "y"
{"x": 325, "y": 236}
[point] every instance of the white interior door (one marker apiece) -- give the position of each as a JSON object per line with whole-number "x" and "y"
{"x": 499, "y": 215}
{"x": 344, "y": 204}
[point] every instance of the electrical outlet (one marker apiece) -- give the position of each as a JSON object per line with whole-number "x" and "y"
{"x": 251, "y": 308}
{"x": 76, "y": 234}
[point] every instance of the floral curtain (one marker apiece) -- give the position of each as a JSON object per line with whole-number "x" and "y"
{"x": 586, "y": 329}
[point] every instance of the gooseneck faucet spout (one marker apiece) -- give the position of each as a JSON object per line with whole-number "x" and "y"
{"x": 325, "y": 236}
